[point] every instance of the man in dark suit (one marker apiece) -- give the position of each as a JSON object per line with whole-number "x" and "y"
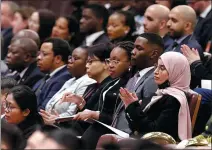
{"x": 21, "y": 59}
{"x": 181, "y": 24}
{"x": 8, "y": 9}
{"x": 52, "y": 60}
{"x": 203, "y": 30}
{"x": 93, "y": 23}
{"x": 155, "y": 19}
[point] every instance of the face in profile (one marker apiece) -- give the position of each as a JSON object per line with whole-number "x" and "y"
{"x": 77, "y": 62}
{"x": 116, "y": 27}
{"x": 18, "y": 23}
{"x": 118, "y": 63}
{"x": 175, "y": 24}
{"x": 45, "y": 58}
{"x": 34, "y": 22}
{"x": 95, "y": 67}
{"x": 60, "y": 29}
{"x": 16, "y": 56}
{"x": 13, "y": 112}
{"x": 160, "y": 74}
{"x": 88, "y": 22}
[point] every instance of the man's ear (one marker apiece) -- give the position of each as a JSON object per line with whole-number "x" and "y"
{"x": 58, "y": 59}
{"x": 154, "y": 54}
{"x": 26, "y": 112}
{"x": 162, "y": 24}
{"x": 27, "y": 57}
{"x": 187, "y": 26}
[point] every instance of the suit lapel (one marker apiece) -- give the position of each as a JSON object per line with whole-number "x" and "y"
{"x": 28, "y": 72}
{"x": 142, "y": 79}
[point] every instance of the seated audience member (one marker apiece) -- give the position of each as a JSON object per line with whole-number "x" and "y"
{"x": 203, "y": 30}
{"x": 172, "y": 74}
{"x": 21, "y": 17}
{"x": 27, "y": 33}
{"x": 147, "y": 49}
{"x": 121, "y": 25}
{"x": 155, "y": 20}
{"x": 171, "y": 3}
{"x": 21, "y": 59}
{"x": 67, "y": 28}
{"x": 11, "y": 137}
{"x": 4, "y": 68}
{"x": 20, "y": 107}
{"x": 38, "y": 137}
{"x": 42, "y": 22}
{"x": 6, "y": 84}
{"x": 181, "y": 24}
{"x": 93, "y": 23}
{"x": 77, "y": 85}
{"x": 61, "y": 139}
{"x": 52, "y": 60}
{"x": 8, "y": 9}
{"x": 96, "y": 69}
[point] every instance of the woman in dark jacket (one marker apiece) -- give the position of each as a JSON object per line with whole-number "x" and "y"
{"x": 120, "y": 27}
{"x": 21, "y": 109}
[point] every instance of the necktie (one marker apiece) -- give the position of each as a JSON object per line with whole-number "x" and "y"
{"x": 38, "y": 91}
{"x": 175, "y": 44}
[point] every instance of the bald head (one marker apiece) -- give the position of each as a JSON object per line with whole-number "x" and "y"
{"x": 28, "y": 45}
{"x": 155, "y": 19}
{"x": 26, "y": 33}
{"x": 160, "y": 11}
{"x": 186, "y": 13}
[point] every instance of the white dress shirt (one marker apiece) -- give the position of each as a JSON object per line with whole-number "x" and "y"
{"x": 73, "y": 85}
{"x": 205, "y": 12}
{"x": 91, "y": 38}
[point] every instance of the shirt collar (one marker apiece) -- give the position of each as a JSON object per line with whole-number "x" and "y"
{"x": 23, "y": 72}
{"x": 144, "y": 71}
{"x": 56, "y": 70}
{"x": 205, "y": 12}
{"x": 181, "y": 39}
{"x": 91, "y": 38}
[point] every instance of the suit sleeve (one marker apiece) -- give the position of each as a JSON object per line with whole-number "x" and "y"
{"x": 140, "y": 121}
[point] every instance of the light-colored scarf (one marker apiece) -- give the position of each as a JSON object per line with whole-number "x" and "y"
{"x": 179, "y": 77}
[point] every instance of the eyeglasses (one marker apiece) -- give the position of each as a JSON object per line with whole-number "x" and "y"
{"x": 90, "y": 61}
{"x": 72, "y": 58}
{"x": 113, "y": 62}
{"x": 7, "y": 106}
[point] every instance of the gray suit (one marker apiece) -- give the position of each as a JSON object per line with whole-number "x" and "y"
{"x": 144, "y": 89}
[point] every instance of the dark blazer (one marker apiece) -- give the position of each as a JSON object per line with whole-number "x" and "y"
{"x": 145, "y": 88}
{"x": 167, "y": 41}
{"x": 7, "y": 35}
{"x": 51, "y": 87}
{"x": 203, "y": 30}
{"x": 101, "y": 39}
{"x": 31, "y": 76}
{"x": 191, "y": 42}
{"x": 161, "y": 117}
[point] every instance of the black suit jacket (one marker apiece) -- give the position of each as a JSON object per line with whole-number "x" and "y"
{"x": 32, "y": 75}
{"x": 203, "y": 31}
{"x": 101, "y": 39}
{"x": 161, "y": 117}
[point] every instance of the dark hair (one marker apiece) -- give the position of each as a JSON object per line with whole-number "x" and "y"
{"x": 73, "y": 25}
{"x": 46, "y": 129}
{"x": 60, "y": 47}
{"x": 66, "y": 138}
{"x": 12, "y": 136}
{"x": 153, "y": 39}
{"x": 100, "y": 12}
{"x": 26, "y": 99}
{"x": 175, "y": 3}
{"x": 127, "y": 46}
{"x": 7, "y": 83}
{"x": 26, "y": 11}
{"x": 129, "y": 20}
{"x": 47, "y": 21}
{"x": 101, "y": 51}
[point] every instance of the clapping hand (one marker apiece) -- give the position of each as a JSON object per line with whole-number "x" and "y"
{"x": 127, "y": 97}
{"x": 191, "y": 54}
{"x": 48, "y": 117}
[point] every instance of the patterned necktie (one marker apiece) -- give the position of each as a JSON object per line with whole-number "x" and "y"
{"x": 175, "y": 44}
